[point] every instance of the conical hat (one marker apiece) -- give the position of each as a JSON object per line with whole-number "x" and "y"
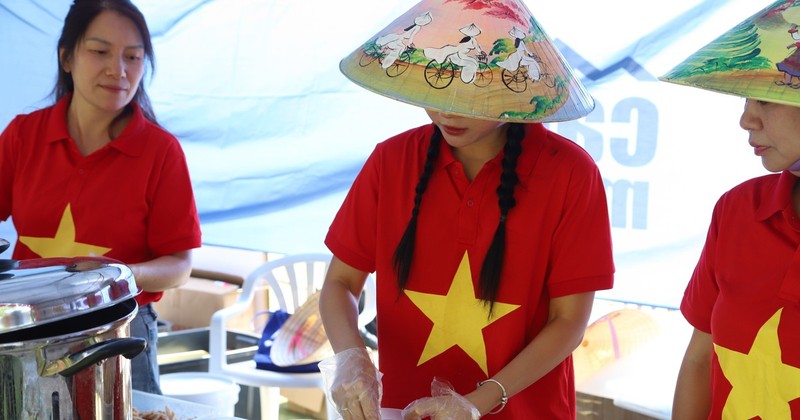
{"x": 610, "y": 338}
{"x": 301, "y": 339}
{"x": 457, "y": 56}
{"x": 758, "y": 59}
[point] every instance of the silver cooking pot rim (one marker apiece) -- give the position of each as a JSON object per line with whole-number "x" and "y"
{"x": 41, "y": 291}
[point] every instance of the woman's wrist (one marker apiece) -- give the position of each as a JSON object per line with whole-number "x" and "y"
{"x": 488, "y": 397}
{"x": 136, "y": 273}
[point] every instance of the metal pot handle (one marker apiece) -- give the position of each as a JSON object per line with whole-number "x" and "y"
{"x": 72, "y": 364}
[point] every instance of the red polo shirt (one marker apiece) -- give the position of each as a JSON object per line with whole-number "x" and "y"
{"x": 131, "y": 200}
{"x": 558, "y": 243}
{"x": 745, "y": 292}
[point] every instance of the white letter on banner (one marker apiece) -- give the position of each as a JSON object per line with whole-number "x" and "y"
{"x": 646, "y": 132}
{"x": 592, "y": 139}
{"x": 618, "y": 193}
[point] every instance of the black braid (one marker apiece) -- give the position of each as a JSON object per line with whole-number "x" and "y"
{"x": 404, "y": 252}
{"x": 493, "y": 262}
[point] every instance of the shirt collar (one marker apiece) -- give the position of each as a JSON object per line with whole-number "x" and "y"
{"x": 57, "y": 123}
{"x": 128, "y": 142}
{"x": 780, "y": 198}
{"x": 535, "y": 133}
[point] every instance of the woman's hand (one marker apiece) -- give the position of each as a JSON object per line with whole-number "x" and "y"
{"x": 443, "y": 404}
{"x": 354, "y": 384}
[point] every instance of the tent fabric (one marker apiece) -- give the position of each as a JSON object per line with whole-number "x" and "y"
{"x": 274, "y": 134}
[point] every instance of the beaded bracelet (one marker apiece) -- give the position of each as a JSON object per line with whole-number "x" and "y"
{"x": 503, "y": 399}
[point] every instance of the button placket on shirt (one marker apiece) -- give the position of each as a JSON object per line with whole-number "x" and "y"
{"x": 469, "y": 209}
{"x": 77, "y": 180}
{"x": 81, "y": 174}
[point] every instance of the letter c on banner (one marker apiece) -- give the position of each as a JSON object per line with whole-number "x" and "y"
{"x": 646, "y": 132}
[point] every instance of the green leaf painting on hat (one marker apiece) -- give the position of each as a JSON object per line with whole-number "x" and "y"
{"x": 759, "y": 58}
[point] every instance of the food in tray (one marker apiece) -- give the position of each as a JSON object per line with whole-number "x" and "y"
{"x": 167, "y": 414}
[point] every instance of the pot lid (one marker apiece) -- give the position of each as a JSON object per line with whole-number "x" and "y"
{"x": 39, "y": 291}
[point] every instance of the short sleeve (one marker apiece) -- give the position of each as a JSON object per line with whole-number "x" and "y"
{"x": 582, "y": 259}
{"x": 702, "y": 291}
{"x": 173, "y": 223}
{"x": 8, "y": 155}
{"x": 352, "y": 236}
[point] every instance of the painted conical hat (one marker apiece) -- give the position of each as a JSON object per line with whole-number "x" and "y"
{"x": 610, "y": 338}
{"x": 758, "y": 59}
{"x": 301, "y": 339}
{"x": 457, "y": 56}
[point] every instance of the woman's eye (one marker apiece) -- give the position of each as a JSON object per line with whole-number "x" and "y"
{"x": 98, "y": 52}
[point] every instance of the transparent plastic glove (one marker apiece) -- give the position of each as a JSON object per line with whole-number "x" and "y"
{"x": 353, "y": 384}
{"x": 443, "y": 404}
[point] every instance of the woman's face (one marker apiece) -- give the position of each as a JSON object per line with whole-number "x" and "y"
{"x": 465, "y": 134}
{"x": 107, "y": 64}
{"x": 774, "y": 133}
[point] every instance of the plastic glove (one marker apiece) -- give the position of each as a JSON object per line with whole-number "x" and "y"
{"x": 353, "y": 384}
{"x": 443, "y": 404}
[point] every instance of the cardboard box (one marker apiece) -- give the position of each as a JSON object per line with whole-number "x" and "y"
{"x": 217, "y": 274}
{"x": 591, "y": 407}
{"x": 193, "y": 304}
{"x": 306, "y": 401}
{"x": 227, "y": 264}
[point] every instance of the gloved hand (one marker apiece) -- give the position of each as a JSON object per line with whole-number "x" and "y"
{"x": 353, "y": 384}
{"x": 443, "y": 404}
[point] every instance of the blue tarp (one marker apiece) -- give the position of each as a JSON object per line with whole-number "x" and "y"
{"x": 274, "y": 134}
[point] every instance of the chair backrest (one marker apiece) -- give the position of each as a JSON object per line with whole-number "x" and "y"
{"x": 293, "y": 278}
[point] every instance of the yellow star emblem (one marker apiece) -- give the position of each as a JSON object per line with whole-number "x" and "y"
{"x": 63, "y": 244}
{"x": 762, "y": 384}
{"x": 458, "y": 318}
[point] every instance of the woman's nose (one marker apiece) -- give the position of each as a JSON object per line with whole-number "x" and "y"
{"x": 750, "y": 120}
{"x": 116, "y": 69}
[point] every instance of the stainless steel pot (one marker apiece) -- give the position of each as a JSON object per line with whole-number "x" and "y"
{"x": 65, "y": 339}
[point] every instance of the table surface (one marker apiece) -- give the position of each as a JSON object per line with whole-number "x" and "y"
{"x": 644, "y": 381}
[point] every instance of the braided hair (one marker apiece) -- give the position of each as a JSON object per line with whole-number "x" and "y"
{"x": 404, "y": 252}
{"x": 493, "y": 262}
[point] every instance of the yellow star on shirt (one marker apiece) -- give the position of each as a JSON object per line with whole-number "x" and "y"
{"x": 63, "y": 244}
{"x": 458, "y": 318}
{"x": 762, "y": 384}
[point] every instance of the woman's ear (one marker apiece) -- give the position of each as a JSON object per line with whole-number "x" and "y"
{"x": 63, "y": 60}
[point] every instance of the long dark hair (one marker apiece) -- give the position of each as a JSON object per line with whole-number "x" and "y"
{"x": 80, "y": 16}
{"x": 492, "y": 268}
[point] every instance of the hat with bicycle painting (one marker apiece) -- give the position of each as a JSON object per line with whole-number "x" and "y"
{"x": 478, "y": 58}
{"x": 758, "y": 59}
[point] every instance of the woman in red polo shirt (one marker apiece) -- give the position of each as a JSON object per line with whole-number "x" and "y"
{"x": 743, "y": 299}
{"x": 95, "y": 175}
{"x": 488, "y": 234}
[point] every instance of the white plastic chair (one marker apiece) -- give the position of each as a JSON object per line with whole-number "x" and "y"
{"x": 303, "y": 274}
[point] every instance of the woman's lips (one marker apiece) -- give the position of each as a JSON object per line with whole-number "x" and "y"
{"x": 759, "y": 150}
{"x": 453, "y": 131}
{"x": 113, "y": 88}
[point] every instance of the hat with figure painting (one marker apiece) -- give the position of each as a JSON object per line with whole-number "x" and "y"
{"x": 758, "y": 59}
{"x": 485, "y": 59}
